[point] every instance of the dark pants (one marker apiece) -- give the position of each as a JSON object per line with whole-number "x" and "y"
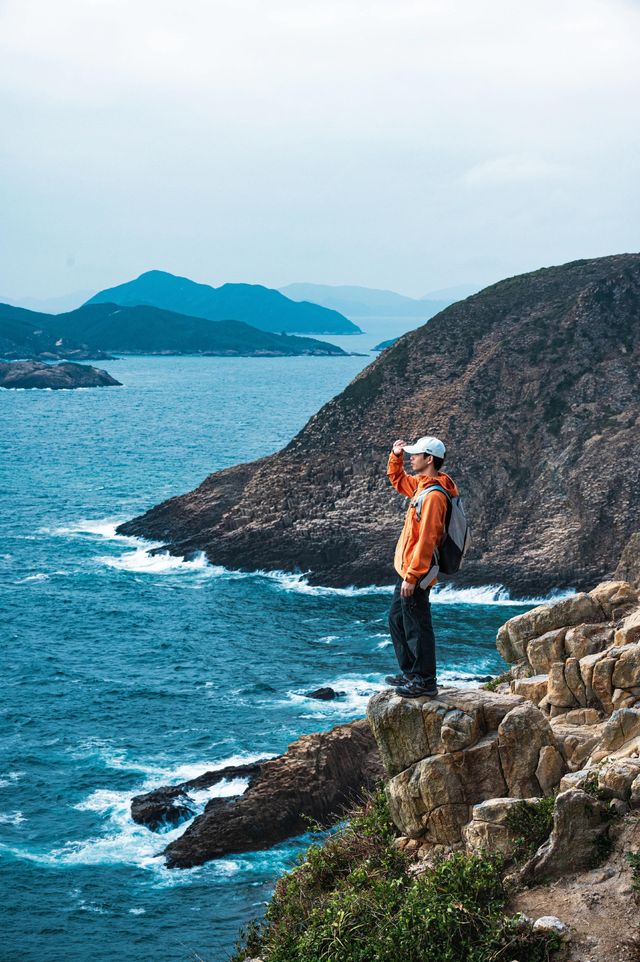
{"x": 412, "y": 634}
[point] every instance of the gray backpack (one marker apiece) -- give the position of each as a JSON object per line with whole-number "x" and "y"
{"x": 449, "y": 554}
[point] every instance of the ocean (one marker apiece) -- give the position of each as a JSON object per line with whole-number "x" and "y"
{"x": 123, "y": 671}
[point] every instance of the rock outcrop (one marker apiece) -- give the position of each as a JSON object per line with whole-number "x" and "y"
{"x": 568, "y": 721}
{"x": 314, "y": 780}
{"x": 546, "y": 364}
{"x": 37, "y": 374}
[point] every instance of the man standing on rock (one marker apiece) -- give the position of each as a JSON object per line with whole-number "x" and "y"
{"x": 424, "y": 527}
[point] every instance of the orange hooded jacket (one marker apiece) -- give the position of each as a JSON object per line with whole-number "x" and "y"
{"x": 419, "y": 539}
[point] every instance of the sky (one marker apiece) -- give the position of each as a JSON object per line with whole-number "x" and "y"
{"x": 388, "y": 143}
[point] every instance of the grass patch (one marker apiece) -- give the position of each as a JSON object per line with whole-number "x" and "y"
{"x": 633, "y": 858}
{"x": 531, "y": 822}
{"x": 356, "y": 899}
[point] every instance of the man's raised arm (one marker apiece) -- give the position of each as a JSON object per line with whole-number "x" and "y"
{"x": 402, "y": 482}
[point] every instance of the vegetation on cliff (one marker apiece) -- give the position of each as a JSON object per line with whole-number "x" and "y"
{"x": 357, "y": 898}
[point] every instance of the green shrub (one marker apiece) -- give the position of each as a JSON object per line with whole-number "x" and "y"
{"x": 633, "y": 858}
{"x": 532, "y": 823}
{"x": 356, "y": 898}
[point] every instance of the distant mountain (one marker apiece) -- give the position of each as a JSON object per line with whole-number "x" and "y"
{"x": 261, "y": 307}
{"x": 51, "y": 305}
{"x": 141, "y": 330}
{"x": 363, "y": 302}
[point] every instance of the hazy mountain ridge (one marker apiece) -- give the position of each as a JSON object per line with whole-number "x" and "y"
{"x": 259, "y": 306}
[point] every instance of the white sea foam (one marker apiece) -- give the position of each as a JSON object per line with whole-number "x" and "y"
{"x": 489, "y": 595}
{"x": 354, "y": 696}
{"x": 383, "y": 644}
{"x": 41, "y": 576}
{"x": 299, "y": 583}
{"x": 142, "y": 561}
{"x": 10, "y": 778}
{"x": 11, "y": 818}
{"x": 101, "y": 527}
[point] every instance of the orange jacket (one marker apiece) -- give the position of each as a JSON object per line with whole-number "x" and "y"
{"x": 418, "y": 540}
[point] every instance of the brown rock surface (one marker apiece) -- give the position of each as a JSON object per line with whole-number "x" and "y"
{"x": 533, "y": 361}
{"x": 317, "y": 778}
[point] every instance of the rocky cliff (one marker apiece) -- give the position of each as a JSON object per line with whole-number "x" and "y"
{"x": 565, "y": 724}
{"x": 534, "y": 385}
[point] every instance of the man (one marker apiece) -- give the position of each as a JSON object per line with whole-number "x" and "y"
{"x": 410, "y": 614}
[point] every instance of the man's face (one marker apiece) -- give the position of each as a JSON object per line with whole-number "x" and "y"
{"x": 419, "y": 461}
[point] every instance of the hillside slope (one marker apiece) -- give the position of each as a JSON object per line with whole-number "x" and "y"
{"x": 534, "y": 384}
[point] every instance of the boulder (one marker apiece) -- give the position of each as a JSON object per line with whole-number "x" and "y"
{"x": 431, "y": 799}
{"x": 616, "y": 778}
{"x": 533, "y": 689}
{"x": 576, "y": 742}
{"x": 634, "y": 796}
{"x": 582, "y": 716}
{"x": 323, "y": 694}
{"x": 622, "y": 698}
{"x": 550, "y": 768}
{"x": 544, "y": 651}
{"x": 488, "y": 829}
{"x": 579, "y": 824}
{"x": 559, "y": 694}
{"x": 626, "y": 672}
{"x": 514, "y": 636}
{"x": 620, "y": 734}
{"x": 629, "y": 631}
{"x": 408, "y": 730}
{"x": 521, "y": 735}
{"x": 550, "y": 925}
{"x": 588, "y": 639}
{"x": 574, "y": 682}
{"x": 587, "y": 668}
{"x": 615, "y": 598}
{"x": 602, "y": 683}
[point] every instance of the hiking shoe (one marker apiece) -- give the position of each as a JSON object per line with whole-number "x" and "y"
{"x": 395, "y": 680}
{"x": 416, "y": 689}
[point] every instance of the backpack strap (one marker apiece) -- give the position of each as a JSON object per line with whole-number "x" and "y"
{"x": 418, "y": 500}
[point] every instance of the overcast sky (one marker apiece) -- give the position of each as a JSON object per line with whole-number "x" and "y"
{"x": 389, "y": 143}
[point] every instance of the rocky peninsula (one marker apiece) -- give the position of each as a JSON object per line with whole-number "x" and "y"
{"x": 37, "y": 374}
{"x": 532, "y": 382}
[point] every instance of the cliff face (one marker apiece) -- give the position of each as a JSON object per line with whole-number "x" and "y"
{"x": 533, "y": 384}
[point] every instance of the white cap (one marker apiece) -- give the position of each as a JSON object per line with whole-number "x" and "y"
{"x": 427, "y": 446}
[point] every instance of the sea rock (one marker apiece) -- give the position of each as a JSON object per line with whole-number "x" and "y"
{"x": 579, "y": 823}
{"x": 602, "y": 683}
{"x": 559, "y": 693}
{"x": 488, "y": 829}
{"x": 316, "y": 778}
{"x": 323, "y": 694}
{"x": 36, "y": 374}
{"x": 172, "y": 804}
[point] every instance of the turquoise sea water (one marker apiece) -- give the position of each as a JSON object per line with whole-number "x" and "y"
{"x": 122, "y": 671}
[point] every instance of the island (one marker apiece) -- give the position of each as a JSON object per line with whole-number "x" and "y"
{"x": 37, "y": 374}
